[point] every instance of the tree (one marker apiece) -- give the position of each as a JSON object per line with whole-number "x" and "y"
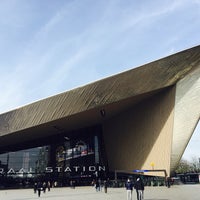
{"x": 195, "y": 165}
{"x": 185, "y": 166}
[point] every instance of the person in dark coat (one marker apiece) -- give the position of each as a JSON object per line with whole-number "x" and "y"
{"x": 97, "y": 186}
{"x": 105, "y": 186}
{"x": 168, "y": 182}
{"x": 48, "y": 185}
{"x": 139, "y": 186}
{"x": 39, "y": 188}
{"x": 35, "y": 187}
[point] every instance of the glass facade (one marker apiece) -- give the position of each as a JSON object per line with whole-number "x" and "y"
{"x": 76, "y": 156}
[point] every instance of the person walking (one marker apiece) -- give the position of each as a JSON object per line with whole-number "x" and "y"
{"x": 48, "y": 185}
{"x": 35, "y": 187}
{"x": 39, "y": 188}
{"x": 97, "y": 186}
{"x": 139, "y": 186}
{"x": 168, "y": 182}
{"x": 44, "y": 186}
{"x": 129, "y": 189}
{"x": 105, "y": 186}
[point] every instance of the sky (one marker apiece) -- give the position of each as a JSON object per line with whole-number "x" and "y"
{"x": 51, "y": 46}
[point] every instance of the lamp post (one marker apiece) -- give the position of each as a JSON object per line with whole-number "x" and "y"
{"x": 152, "y": 165}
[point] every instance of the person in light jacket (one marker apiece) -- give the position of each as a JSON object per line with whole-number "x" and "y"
{"x": 129, "y": 189}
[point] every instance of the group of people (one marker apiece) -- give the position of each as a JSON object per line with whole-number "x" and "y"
{"x": 138, "y": 186}
{"x": 41, "y": 186}
{"x": 99, "y": 184}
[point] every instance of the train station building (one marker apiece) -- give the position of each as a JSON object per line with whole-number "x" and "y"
{"x": 139, "y": 119}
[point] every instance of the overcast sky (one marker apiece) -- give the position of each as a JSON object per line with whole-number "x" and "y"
{"x": 51, "y": 46}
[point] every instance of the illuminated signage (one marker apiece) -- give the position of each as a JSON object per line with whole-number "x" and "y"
{"x": 77, "y": 169}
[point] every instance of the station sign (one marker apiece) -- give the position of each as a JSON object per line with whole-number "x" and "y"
{"x": 140, "y": 170}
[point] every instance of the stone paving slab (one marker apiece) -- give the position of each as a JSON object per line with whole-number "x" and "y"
{"x": 182, "y": 192}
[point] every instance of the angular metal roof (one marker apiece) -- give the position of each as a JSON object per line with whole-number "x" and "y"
{"x": 81, "y": 107}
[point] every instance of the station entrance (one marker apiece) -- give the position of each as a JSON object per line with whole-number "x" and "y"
{"x": 76, "y": 156}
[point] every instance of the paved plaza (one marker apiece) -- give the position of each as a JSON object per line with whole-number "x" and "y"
{"x": 178, "y": 192}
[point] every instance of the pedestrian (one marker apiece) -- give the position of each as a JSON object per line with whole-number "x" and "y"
{"x": 74, "y": 184}
{"x": 35, "y": 187}
{"x": 44, "y": 186}
{"x": 139, "y": 186}
{"x": 48, "y": 185}
{"x": 129, "y": 189}
{"x": 71, "y": 183}
{"x": 168, "y": 182}
{"x": 97, "y": 185}
{"x": 105, "y": 186}
{"x": 100, "y": 184}
{"x": 39, "y": 188}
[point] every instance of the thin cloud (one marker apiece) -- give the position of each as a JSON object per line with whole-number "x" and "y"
{"x": 113, "y": 35}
